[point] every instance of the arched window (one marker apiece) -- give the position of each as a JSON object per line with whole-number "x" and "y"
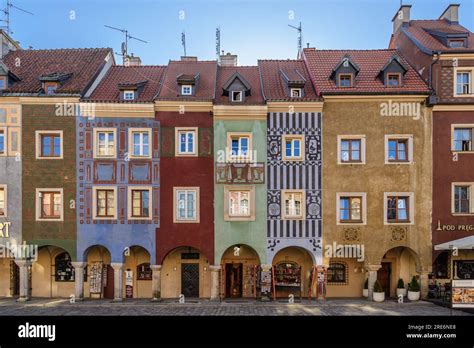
{"x": 337, "y": 273}
{"x": 64, "y": 272}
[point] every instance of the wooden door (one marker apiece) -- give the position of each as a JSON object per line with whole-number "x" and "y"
{"x": 383, "y": 276}
{"x": 109, "y": 287}
{"x": 190, "y": 279}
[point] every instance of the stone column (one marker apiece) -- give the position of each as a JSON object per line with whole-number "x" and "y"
{"x": 24, "y": 280}
{"x": 156, "y": 282}
{"x": 118, "y": 281}
{"x": 424, "y": 283}
{"x": 372, "y": 270}
{"x": 79, "y": 280}
{"x": 215, "y": 284}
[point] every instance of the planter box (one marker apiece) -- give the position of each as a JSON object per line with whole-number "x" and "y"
{"x": 365, "y": 292}
{"x": 413, "y": 295}
{"x": 401, "y": 292}
{"x": 379, "y": 296}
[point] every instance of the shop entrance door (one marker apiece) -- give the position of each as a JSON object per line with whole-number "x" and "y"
{"x": 14, "y": 279}
{"x": 190, "y": 279}
{"x": 233, "y": 282}
{"x": 109, "y": 287}
{"x": 383, "y": 276}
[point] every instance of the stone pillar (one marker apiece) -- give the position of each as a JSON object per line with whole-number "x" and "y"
{"x": 156, "y": 282}
{"x": 118, "y": 281}
{"x": 79, "y": 280}
{"x": 372, "y": 270}
{"x": 215, "y": 283}
{"x": 24, "y": 280}
{"x": 424, "y": 283}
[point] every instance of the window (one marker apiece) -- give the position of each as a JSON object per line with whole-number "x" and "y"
{"x": 294, "y": 205}
{"x": 3, "y": 82}
{"x": 462, "y": 139}
{"x": 351, "y": 149}
{"x": 393, "y": 80}
{"x": 337, "y": 273}
{"x": 453, "y": 43}
{"x": 139, "y": 202}
{"x": 239, "y": 203}
{"x": 3, "y": 142}
{"x": 139, "y": 141}
{"x": 463, "y": 196}
{"x": 186, "y": 141}
{"x": 104, "y": 142}
{"x": 105, "y": 202}
{"x": 345, "y": 80}
{"x": 350, "y": 209}
{"x": 240, "y": 145}
{"x": 398, "y": 149}
{"x": 49, "y": 204}
{"x": 463, "y": 81}
{"x": 144, "y": 272}
{"x": 186, "y": 204}
{"x": 49, "y": 144}
{"x": 236, "y": 96}
{"x": 50, "y": 88}
{"x": 3, "y": 200}
{"x": 296, "y": 92}
{"x": 186, "y": 90}
{"x": 398, "y": 209}
{"x": 128, "y": 95}
{"x": 64, "y": 272}
{"x": 293, "y": 147}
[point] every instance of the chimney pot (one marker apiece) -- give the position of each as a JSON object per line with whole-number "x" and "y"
{"x": 132, "y": 61}
{"x": 228, "y": 59}
{"x": 451, "y": 14}
{"x": 189, "y": 59}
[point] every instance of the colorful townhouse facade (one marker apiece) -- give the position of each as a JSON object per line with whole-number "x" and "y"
{"x": 443, "y": 50}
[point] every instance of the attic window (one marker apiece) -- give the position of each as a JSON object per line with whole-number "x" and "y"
{"x": 236, "y": 96}
{"x": 50, "y": 88}
{"x": 186, "y": 89}
{"x": 345, "y": 80}
{"x": 3, "y": 82}
{"x": 456, "y": 43}
{"x": 393, "y": 80}
{"x": 295, "y": 92}
{"x": 128, "y": 95}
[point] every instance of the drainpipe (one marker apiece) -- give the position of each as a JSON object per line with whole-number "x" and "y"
{"x": 438, "y": 53}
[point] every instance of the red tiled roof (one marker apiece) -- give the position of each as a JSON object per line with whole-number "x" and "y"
{"x": 121, "y": 76}
{"x": 418, "y": 29}
{"x": 274, "y": 86}
{"x": 251, "y": 76}
{"x": 205, "y": 86}
{"x": 83, "y": 63}
{"x": 322, "y": 62}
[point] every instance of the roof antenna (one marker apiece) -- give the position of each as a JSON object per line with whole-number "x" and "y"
{"x": 124, "y": 47}
{"x": 183, "y": 42}
{"x": 218, "y": 42}
{"x": 299, "y": 29}
{"x": 6, "y": 11}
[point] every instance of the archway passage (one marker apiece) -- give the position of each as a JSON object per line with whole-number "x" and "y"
{"x": 99, "y": 274}
{"x": 138, "y": 274}
{"x": 240, "y": 272}
{"x": 185, "y": 272}
{"x": 293, "y": 270}
{"x": 9, "y": 277}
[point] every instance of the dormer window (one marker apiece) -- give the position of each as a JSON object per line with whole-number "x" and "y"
{"x": 456, "y": 43}
{"x": 236, "y": 96}
{"x": 50, "y": 88}
{"x": 345, "y": 80}
{"x": 186, "y": 90}
{"x": 3, "y": 82}
{"x": 393, "y": 80}
{"x": 295, "y": 92}
{"x": 129, "y": 95}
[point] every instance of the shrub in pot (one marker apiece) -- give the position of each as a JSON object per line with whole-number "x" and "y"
{"x": 379, "y": 294}
{"x": 414, "y": 290}
{"x": 401, "y": 290}
{"x": 365, "y": 291}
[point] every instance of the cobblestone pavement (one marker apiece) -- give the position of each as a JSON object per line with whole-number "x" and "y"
{"x": 202, "y": 307}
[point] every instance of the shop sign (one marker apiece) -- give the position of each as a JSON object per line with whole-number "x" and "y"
{"x": 129, "y": 284}
{"x": 5, "y": 229}
{"x": 463, "y": 294}
{"x": 454, "y": 227}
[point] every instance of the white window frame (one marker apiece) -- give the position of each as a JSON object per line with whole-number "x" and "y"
{"x": 96, "y": 132}
{"x": 127, "y": 94}
{"x": 178, "y": 131}
{"x": 471, "y": 198}
{"x": 340, "y": 195}
{"x": 409, "y": 138}
{"x": 340, "y": 138}
{"x": 38, "y": 135}
{"x": 38, "y": 204}
{"x": 411, "y": 208}
{"x": 236, "y": 100}
{"x": 5, "y": 143}
{"x": 131, "y": 131}
{"x": 300, "y": 92}
{"x": 250, "y": 189}
{"x": 130, "y": 190}
{"x": 293, "y": 137}
{"x": 186, "y": 220}
{"x": 301, "y": 216}
{"x": 94, "y": 202}
{"x": 239, "y": 157}
{"x": 5, "y": 194}
{"x": 466, "y": 125}
{"x": 184, "y": 87}
{"x": 468, "y": 70}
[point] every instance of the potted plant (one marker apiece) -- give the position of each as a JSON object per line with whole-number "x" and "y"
{"x": 401, "y": 290}
{"x": 414, "y": 290}
{"x": 365, "y": 291}
{"x": 379, "y": 294}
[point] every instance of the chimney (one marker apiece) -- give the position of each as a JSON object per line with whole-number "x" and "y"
{"x": 132, "y": 61}
{"x": 402, "y": 17}
{"x": 451, "y": 14}
{"x": 189, "y": 59}
{"x": 228, "y": 59}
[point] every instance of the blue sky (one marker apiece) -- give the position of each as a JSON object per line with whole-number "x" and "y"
{"x": 251, "y": 28}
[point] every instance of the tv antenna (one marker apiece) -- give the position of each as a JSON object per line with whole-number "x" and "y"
{"x": 183, "y": 42}
{"x": 218, "y": 42}
{"x": 7, "y": 10}
{"x": 299, "y": 29}
{"x": 124, "y": 47}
